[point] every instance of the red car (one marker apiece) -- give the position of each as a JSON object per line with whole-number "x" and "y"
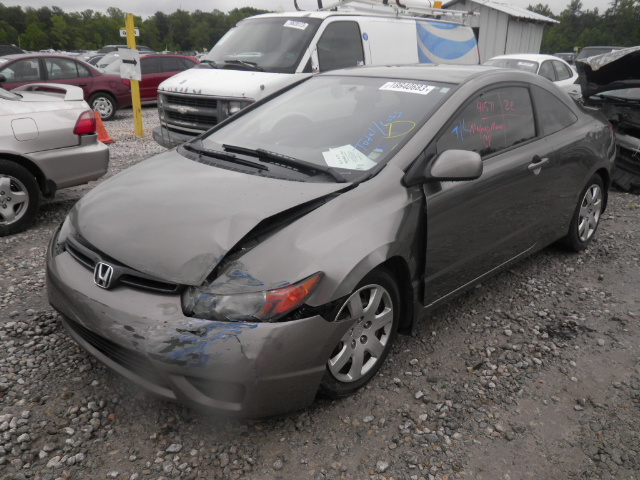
{"x": 105, "y": 93}
{"x": 155, "y": 69}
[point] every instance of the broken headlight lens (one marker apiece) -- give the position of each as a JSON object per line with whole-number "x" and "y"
{"x": 265, "y": 306}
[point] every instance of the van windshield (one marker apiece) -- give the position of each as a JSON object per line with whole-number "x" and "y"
{"x": 274, "y": 44}
{"x": 348, "y": 123}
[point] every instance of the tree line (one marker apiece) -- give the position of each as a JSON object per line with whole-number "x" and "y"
{"x": 51, "y": 28}
{"x": 618, "y": 25}
{"x": 44, "y": 28}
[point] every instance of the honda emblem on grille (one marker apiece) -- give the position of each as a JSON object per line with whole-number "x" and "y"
{"x": 103, "y": 274}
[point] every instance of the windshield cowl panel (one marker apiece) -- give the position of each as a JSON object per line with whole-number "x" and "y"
{"x": 345, "y": 127}
{"x": 272, "y": 44}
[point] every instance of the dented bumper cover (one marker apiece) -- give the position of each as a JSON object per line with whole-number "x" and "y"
{"x": 240, "y": 369}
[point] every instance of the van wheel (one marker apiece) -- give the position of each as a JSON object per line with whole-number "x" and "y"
{"x": 586, "y": 217}
{"x": 19, "y": 198}
{"x": 374, "y": 310}
{"x": 104, "y": 104}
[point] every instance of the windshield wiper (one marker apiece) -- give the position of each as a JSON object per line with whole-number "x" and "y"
{"x": 197, "y": 147}
{"x": 278, "y": 158}
{"x": 249, "y": 65}
{"x": 209, "y": 63}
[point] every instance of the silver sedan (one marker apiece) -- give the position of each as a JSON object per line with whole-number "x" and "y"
{"x": 276, "y": 257}
{"x": 48, "y": 141}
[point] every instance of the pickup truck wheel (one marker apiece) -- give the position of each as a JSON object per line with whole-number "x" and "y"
{"x": 19, "y": 198}
{"x": 104, "y": 104}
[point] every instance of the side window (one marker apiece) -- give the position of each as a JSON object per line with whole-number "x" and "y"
{"x": 170, "y": 64}
{"x": 186, "y": 63}
{"x": 340, "y": 46}
{"x": 83, "y": 71}
{"x": 149, "y": 65}
{"x": 60, "y": 69}
{"x": 554, "y": 115}
{"x": 494, "y": 120}
{"x": 546, "y": 70}
{"x": 562, "y": 71}
{"x": 27, "y": 70}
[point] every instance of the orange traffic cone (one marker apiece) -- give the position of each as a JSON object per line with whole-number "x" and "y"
{"x": 103, "y": 135}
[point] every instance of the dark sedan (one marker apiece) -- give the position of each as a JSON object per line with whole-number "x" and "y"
{"x": 105, "y": 93}
{"x": 277, "y": 256}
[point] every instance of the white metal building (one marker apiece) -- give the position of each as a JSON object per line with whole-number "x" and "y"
{"x": 503, "y": 28}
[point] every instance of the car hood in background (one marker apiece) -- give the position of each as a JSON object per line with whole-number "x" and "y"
{"x": 241, "y": 84}
{"x": 610, "y": 71}
{"x": 176, "y": 219}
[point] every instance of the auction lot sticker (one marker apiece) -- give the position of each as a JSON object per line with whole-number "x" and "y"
{"x": 408, "y": 87}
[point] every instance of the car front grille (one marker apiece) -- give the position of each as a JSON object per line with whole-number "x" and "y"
{"x": 88, "y": 257}
{"x": 200, "y": 102}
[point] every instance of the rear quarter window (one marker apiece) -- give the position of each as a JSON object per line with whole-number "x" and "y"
{"x": 554, "y": 115}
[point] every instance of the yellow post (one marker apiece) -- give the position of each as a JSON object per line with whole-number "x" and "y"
{"x": 135, "y": 85}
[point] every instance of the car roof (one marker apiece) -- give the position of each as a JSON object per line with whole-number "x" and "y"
{"x": 454, "y": 74}
{"x": 346, "y": 13}
{"x": 530, "y": 57}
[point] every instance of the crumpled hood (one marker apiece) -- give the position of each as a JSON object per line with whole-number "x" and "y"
{"x": 218, "y": 82}
{"x": 610, "y": 71}
{"x": 175, "y": 218}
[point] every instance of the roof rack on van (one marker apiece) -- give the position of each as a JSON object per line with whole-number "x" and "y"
{"x": 394, "y": 7}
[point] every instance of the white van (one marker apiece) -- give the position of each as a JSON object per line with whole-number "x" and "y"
{"x": 266, "y": 53}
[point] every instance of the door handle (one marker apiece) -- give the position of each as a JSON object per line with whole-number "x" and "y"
{"x": 537, "y": 164}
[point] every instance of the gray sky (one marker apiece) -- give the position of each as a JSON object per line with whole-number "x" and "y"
{"x": 146, "y": 8}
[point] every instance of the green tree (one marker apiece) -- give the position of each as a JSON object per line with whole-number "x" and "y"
{"x": 34, "y": 38}
{"x": 60, "y": 37}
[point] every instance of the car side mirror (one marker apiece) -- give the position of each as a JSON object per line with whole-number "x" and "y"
{"x": 455, "y": 165}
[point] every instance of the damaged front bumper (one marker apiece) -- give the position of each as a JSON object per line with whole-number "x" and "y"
{"x": 241, "y": 369}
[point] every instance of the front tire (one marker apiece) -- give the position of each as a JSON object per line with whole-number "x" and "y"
{"x": 374, "y": 310}
{"x": 104, "y": 104}
{"x": 586, "y": 217}
{"x": 19, "y": 198}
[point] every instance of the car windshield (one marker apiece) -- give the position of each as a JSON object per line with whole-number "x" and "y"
{"x": 269, "y": 44}
{"x": 347, "y": 124}
{"x": 526, "y": 65}
{"x": 6, "y": 95}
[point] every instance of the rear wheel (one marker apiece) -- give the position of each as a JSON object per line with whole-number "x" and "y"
{"x": 374, "y": 310}
{"x": 104, "y": 104}
{"x": 586, "y": 217}
{"x": 19, "y": 198}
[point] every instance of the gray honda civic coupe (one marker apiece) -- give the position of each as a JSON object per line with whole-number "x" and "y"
{"x": 277, "y": 256}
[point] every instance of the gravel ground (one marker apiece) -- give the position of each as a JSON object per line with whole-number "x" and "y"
{"x": 533, "y": 374}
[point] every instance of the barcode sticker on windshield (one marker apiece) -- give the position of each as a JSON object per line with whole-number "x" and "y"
{"x": 408, "y": 87}
{"x": 294, "y": 24}
{"x": 348, "y": 157}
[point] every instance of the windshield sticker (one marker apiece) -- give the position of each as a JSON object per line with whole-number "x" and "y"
{"x": 527, "y": 64}
{"x": 294, "y": 24}
{"x": 408, "y": 87}
{"x": 349, "y": 157}
{"x": 392, "y": 127}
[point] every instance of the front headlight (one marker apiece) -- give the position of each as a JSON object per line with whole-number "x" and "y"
{"x": 265, "y": 306}
{"x": 235, "y": 106}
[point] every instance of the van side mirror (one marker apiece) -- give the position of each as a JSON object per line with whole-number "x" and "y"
{"x": 455, "y": 165}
